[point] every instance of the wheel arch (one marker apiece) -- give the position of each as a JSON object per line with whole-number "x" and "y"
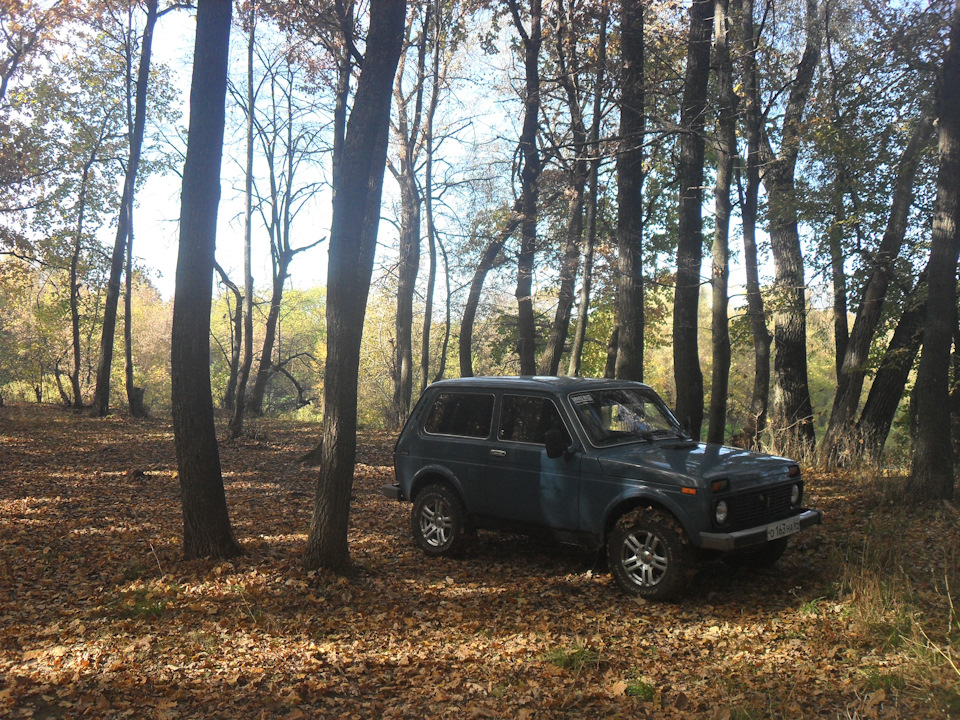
{"x": 434, "y": 474}
{"x": 656, "y": 501}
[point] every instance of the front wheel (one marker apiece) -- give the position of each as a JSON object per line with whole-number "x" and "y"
{"x": 438, "y": 521}
{"x": 649, "y": 554}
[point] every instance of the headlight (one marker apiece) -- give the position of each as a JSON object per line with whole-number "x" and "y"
{"x": 795, "y": 495}
{"x": 721, "y": 512}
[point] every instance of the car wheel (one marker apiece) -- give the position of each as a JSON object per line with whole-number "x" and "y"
{"x": 438, "y": 520}
{"x": 649, "y": 554}
{"x": 759, "y": 557}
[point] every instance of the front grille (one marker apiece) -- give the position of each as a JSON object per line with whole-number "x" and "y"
{"x": 759, "y": 507}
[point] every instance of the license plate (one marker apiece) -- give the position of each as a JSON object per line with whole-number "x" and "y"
{"x": 783, "y": 528}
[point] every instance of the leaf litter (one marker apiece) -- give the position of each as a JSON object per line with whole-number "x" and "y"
{"x": 101, "y": 618}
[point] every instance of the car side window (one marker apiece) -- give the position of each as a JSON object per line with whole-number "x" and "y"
{"x": 461, "y": 414}
{"x": 527, "y": 419}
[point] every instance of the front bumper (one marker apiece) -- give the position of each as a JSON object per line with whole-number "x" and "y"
{"x": 392, "y": 491}
{"x": 754, "y": 535}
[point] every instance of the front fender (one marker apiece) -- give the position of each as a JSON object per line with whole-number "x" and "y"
{"x": 673, "y": 502}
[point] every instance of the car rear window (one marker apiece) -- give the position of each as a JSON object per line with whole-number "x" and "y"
{"x": 461, "y": 414}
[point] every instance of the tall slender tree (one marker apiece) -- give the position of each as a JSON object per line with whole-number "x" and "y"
{"x": 529, "y": 174}
{"x": 749, "y": 201}
{"x": 793, "y": 408}
{"x": 246, "y": 361}
{"x": 726, "y": 150}
{"x": 353, "y": 239}
{"x": 101, "y": 397}
{"x": 206, "y": 522}
{"x": 630, "y": 178}
{"x": 688, "y": 377}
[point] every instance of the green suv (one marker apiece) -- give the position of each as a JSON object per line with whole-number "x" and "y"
{"x": 599, "y": 463}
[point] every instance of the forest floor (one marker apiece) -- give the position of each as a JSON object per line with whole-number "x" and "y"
{"x": 100, "y": 617}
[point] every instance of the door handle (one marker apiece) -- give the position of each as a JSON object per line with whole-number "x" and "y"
{"x": 498, "y": 453}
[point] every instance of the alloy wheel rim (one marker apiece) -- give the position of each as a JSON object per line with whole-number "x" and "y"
{"x": 436, "y": 524}
{"x": 644, "y": 558}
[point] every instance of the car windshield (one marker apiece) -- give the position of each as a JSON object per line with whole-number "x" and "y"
{"x": 619, "y": 415}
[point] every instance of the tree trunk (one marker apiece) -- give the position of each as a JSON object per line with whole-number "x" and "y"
{"x": 409, "y": 141}
{"x": 793, "y": 409}
{"x": 880, "y": 408}
{"x": 353, "y": 236}
{"x": 265, "y": 368}
{"x": 206, "y": 522}
{"x": 134, "y": 394}
{"x": 486, "y": 263}
{"x": 409, "y": 265}
{"x": 74, "y": 373}
{"x": 243, "y": 374}
{"x": 568, "y": 64}
{"x": 592, "y": 202}
{"x": 236, "y": 338}
{"x": 74, "y": 276}
{"x": 434, "y": 30}
{"x": 529, "y": 173}
{"x": 101, "y": 398}
{"x": 933, "y": 474}
{"x": 726, "y": 157}
{"x": 688, "y": 377}
{"x": 759, "y": 400}
{"x": 630, "y": 176}
{"x": 853, "y": 369}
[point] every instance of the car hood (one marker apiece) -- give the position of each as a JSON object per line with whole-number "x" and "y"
{"x": 691, "y": 463}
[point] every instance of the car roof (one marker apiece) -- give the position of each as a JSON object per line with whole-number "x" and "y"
{"x": 562, "y": 384}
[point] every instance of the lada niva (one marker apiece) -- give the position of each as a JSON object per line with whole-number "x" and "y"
{"x": 599, "y": 463}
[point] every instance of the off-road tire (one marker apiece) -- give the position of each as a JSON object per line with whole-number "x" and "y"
{"x": 438, "y": 521}
{"x": 649, "y": 554}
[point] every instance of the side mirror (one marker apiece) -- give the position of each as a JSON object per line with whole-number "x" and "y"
{"x": 556, "y": 447}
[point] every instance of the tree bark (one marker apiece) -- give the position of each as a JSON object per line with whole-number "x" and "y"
{"x": 726, "y": 158}
{"x": 630, "y": 177}
{"x": 933, "y": 474}
{"x": 206, "y": 522}
{"x": 688, "y": 377}
{"x": 353, "y": 236}
{"x": 793, "y": 409}
{"x": 101, "y": 398}
{"x": 759, "y": 400}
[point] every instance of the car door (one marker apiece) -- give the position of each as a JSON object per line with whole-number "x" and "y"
{"x": 455, "y": 436}
{"x": 522, "y": 483}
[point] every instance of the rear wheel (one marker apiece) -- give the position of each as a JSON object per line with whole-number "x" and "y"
{"x": 438, "y": 520}
{"x": 649, "y": 554}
